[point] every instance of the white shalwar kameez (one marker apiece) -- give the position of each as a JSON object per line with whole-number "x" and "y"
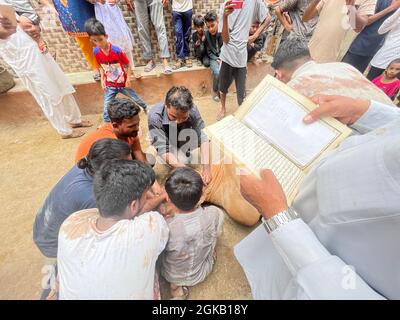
{"x": 43, "y": 78}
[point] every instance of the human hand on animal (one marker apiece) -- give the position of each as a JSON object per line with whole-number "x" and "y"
{"x": 264, "y": 193}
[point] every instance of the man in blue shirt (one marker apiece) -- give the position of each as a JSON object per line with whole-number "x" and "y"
{"x": 176, "y": 132}
{"x": 369, "y": 41}
{"x": 74, "y": 192}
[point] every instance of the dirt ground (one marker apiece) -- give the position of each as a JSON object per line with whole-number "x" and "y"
{"x": 32, "y": 159}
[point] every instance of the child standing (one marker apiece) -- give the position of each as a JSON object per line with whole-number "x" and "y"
{"x": 182, "y": 11}
{"x": 388, "y": 81}
{"x": 190, "y": 252}
{"x": 213, "y": 48}
{"x": 255, "y": 46}
{"x": 119, "y": 34}
{"x": 235, "y": 26}
{"x": 114, "y": 67}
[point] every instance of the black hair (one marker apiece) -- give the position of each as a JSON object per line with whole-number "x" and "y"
{"x": 393, "y": 62}
{"x": 290, "y": 51}
{"x": 211, "y": 16}
{"x": 94, "y": 27}
{"x": 184, "y": 187}
{"x": 118, "y": 183}
{"x": 198, "y": 21}
{"x": 120, "y": 109}
{"x": 179, "y": 98}
{"x": 104, "y": 150}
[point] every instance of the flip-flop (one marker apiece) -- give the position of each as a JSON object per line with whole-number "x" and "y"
{"x": 74, "y": 134}
{"x": 216, "y": 99}
{"x": 189, "y": 63}
{"x": 167, "y": 70}
{"x": 82, "y": 124}
{"x": 179, "y": 64}
{"x": 149, "y": 66}
{"x": 96, "y": 77}
{"x": 185, "y": 295}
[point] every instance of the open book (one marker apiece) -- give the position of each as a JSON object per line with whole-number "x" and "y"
{"x": 268, "y": 131}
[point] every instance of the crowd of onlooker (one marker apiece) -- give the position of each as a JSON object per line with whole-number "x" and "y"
{"x": 108, "y": 213}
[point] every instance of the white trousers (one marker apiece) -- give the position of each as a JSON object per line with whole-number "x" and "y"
{"x": 61, "y": 115}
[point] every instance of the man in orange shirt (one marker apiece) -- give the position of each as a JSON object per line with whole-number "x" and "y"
{"x": 124, "y": 125}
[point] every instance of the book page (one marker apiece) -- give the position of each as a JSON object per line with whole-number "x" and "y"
{"x": 255, "y": 153}
{"x": 279, "y": 119}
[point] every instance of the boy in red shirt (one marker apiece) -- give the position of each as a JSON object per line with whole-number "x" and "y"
{"x": 114, "y": 67}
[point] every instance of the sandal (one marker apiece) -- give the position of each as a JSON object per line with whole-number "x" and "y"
{"x": 189, "y": 63}
{"x": 185, "y": 295}
{"x": 74, "y": 134}
{"x": 137, "y": 76}
{"x": 82, "y": 124}
{"x": 216, "y": 97}
{"x": 179, "y": 64}
{"x": 167, "y": 70}
{"x": 149, "y": 66}
{"x": 96, "y": 76}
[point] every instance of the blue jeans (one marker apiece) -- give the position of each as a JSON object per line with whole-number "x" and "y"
{"x": 111, "y": 92}
{"x": 214, "y": 66}
{"x": 183, "y": 32}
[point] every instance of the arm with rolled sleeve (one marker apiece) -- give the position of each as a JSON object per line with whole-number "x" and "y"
{"x": 319, "y": 274}
{"x": 378, "y": 115}
{"x": 158, "y": 137}
{"x": 390, "y": 23}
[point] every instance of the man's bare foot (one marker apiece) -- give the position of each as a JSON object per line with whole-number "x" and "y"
{"x": 136, "y": 76}
{"x": 74, "y": 134}
{"x": 82, "y": 124}
{"x": 221, "y": 115}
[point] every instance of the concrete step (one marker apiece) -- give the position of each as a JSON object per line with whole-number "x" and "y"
{"x": 18, "y": 105}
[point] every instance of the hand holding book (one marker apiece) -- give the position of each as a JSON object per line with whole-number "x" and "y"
{"x": 269, "y": 132}
{"x": 344, "y": 109}
{"x": 264, "y": 193}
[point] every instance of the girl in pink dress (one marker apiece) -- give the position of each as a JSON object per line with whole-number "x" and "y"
{"x": 388, "y": 81}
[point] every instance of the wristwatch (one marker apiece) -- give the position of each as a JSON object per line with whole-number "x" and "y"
{"x": 279, "y": 220}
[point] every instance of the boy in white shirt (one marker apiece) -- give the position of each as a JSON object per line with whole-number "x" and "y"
{"x": 111, "y": 252}
{"x": 190, "y": 252}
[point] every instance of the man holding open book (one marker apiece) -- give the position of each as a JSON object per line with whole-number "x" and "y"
{"x": 340, "y": 237}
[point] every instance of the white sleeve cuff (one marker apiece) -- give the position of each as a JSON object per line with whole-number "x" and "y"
{"x": 297, "y": 245}
{"x": 378, "y": 115}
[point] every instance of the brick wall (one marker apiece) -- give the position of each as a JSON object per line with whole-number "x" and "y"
{"x": 69, "y": 56}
